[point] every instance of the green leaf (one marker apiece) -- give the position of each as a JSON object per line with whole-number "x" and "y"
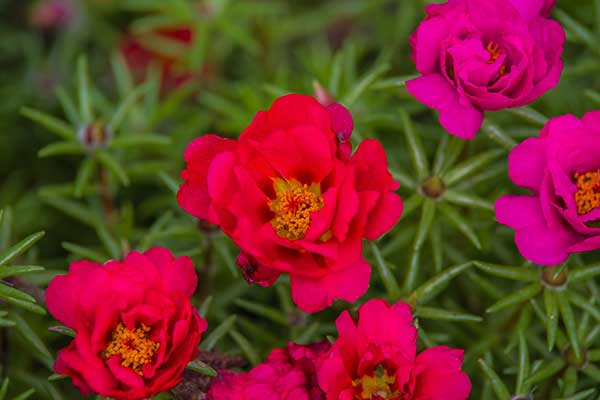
{"x": 14, "y": 251}
{"x": 61, "y": 148}
{"x": 529, "y": 115}
{"x": 586, "y": 394}
{"x": 245, "y": 346}
{"x": 444, "y": 161}
{"x": 415, "y": 147}
{"x": 518, "y": 297}
{"x": 122, "y": 75}
{"x": 155, "y": 229}
{"x": 8, "y": 293}
{"x": 56, "y": 377}
{"x": 551, "y": 305}
{"x": 393, "y": 83}
{"x": 68, "y": 106}
{"x": 135, "y": 141}
{"x": 445, "y": 315}
{"x": 169, "y": 182}
{"x": 72, "y": 209}
{"x": 459, "y": 223}
{"x": 582, "y": 33}
{"x": 403, "y": 178}
{"x": 584, "y": 273}
{"x": 15, "y": 270}
{"x": 270, "y": 313}
{"x": 499, "y": 387}
{"x": 201, "y": 368}
{"x": 427, "y": 217}
{"x": 436, "y": 284}
{"x": 524, "y": 365}
{"x": 5, "y": 323}
{"x": 569, "y": 321}
{"x": 85, "y": 106}
{"x": 32, "y": 339}
{"x": 387, "y": 277}
{"x": 107, "y": 239}
{"x": 497, "y": 135}
{"x": 55, "y": 125}
{"x": 86, "y": 171}
{"x": 4, "y": 389}
{"x": 508, "y": 272}
{"x": 364, "y": 84}
{"x": 84, "y": 252}
{"x": 220, "y": 331}
{"x": 467, "y": 200}
{"x": 411, "y": 204}
{"x": 584, "y": 304}
{"x": 25, "y": 304}
{"x": 125, "y": 107}
{"x": 471, "y": 166}
{"x": 114, "y": 166}
{"x": 25, "y": 395}
{"x": 592, "y": 372}
{"x": 63, "y": 330}
{"x": 205, "y": 307}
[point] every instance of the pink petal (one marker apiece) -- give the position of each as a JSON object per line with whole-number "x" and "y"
{"x": 439, "y": 375}
{"x": 315, "y": 294}
{"x": 459, "y": 117}
{"x": 527, "y": 163}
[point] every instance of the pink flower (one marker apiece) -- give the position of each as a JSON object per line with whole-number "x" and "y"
{"x": 478, "y": 55}
{"x": 561, "y": 167}
{"x": 286, "y": 374}
{"x": 293, "y": 198}
{"x": 136, "y": 329}
{"x": 375, "y": 358}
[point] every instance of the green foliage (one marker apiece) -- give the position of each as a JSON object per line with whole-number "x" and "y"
{"x": 91, "y": 155}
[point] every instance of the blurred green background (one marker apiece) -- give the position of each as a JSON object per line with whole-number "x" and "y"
{"x": 100, "y": 97}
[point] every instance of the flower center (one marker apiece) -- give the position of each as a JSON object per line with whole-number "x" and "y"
{"x": 134, "y": 347}
{"x": 377, "y": 386}
{"x": 494, "y": 49}
{"x": 587, "y": 196}
{"x": 292, "y": 206}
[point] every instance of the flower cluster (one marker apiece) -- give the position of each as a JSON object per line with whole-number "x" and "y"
{"x": 294, "y": 200}
{"x": 366, "y": 362}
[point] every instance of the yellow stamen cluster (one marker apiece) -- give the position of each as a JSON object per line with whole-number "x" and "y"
{"x": 377, "y": 386}
{"x": 134, "y": 347}
{"x": 292, "y": 207}
{"x": 494, "y": 49}
{"x": 587, "y": 196}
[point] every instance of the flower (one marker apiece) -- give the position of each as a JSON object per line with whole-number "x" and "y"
{"x": 291, "y": 197}
{"x": 136, "y": 329}
{"x": 375, "y": 358}
{"x": 141, "y": 52}
{"x": 561, "y": 167}
{"x": 478, "y": 55}
{"x": 286, "y": 374}
{"x": 52, "y": 14}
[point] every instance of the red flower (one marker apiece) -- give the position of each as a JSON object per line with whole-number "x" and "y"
{"x": 291, "y": 197}
{"x": 286, "y": 374}
{"x": 136, "y": 329}
{"x": 376, "y": 359}
{"x": 140, "y": 54}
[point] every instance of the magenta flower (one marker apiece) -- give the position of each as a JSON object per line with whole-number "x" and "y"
{"x": 562, "y": 169}
{"x": 286, "y": 374}
{"x": 478, "y": 55}
{"x": 375, "y": 358}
